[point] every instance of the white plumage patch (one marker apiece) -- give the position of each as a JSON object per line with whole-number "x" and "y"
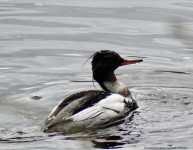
{"x": 108, "y": 107}
{"x": 115, "y": 86}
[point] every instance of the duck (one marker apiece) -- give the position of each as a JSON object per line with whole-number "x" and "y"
{"x": 95, "y": 109}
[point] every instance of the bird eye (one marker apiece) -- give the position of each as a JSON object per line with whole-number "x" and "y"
{"x": 118, "y": 59}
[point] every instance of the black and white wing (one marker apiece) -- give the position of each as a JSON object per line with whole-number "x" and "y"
{"x": 108, "y": 110}
{"x": 74, "y": 104}
{"x": 91, "y": 109}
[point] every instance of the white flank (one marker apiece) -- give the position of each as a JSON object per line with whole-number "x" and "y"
{"x": 105, "y": 108}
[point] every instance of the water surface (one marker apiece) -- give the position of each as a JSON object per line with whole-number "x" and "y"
{"x": 43, "y": 46}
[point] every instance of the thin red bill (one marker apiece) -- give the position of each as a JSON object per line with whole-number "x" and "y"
{"x": 128, "y": 62}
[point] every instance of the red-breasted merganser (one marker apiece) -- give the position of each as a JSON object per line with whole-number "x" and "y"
{"x": 95, "y": 109}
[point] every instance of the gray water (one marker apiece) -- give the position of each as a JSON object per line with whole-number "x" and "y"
{"x": 44, "y": 44}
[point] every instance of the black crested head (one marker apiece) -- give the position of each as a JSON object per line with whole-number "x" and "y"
{"x": 105, "y": 62}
